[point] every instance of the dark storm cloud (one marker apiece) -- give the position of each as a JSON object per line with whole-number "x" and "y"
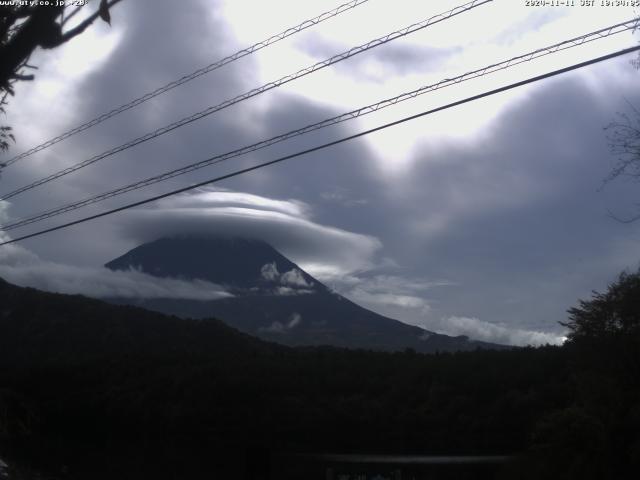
{"x": 516, "y": 221}
{"x": 158, "y": 44}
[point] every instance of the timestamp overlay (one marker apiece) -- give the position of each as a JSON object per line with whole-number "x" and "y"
{"x": 582, "y": 3}
{"x": 593, "y": 12}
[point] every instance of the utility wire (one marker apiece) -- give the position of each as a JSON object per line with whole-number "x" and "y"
{"x": 329, "y": 144}
{"x": 603, "y": 33}
{"x": 191, "y": 76}
{"x": 256, "y": 91}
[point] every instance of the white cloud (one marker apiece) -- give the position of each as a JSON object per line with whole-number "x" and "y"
{"x": 404, "y": 298}
{"x": 341, "y": 196}
{"x": 405, "y": 301}
{"x": 4, "y": 206}
{"x": 294, "y": 320}
{"x": 387, "y": 291}
{"x": 294, "y": 278}
{"x": 394, "y": 283}
{"x": 285, "y": 224}
{"x": 489, "y": 332}
{"x": 275, "y": 327}
{"x": 23, "y": 268}
{"x": 288, "y": 291}
{"x": 291, "y": 282}
{"x": 278, "y": 327}
{"x": 269, "y": 271}
{"x": 225, "y": 197}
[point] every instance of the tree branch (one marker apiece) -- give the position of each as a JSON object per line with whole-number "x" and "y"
{"x": 71, "y": 15}
{"x": 18, "y": 76}
{"x": 83, "y": 25}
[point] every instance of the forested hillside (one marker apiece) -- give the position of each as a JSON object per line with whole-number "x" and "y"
{"x": 91, "y": 388}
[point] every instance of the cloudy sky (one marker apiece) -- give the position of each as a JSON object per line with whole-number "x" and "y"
{"x": 486, "y": 219}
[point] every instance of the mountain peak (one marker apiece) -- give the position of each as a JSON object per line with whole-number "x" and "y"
{"x": 273, "y": 298}
{"x": 236, "y": 262}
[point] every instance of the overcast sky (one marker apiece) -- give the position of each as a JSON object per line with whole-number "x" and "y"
{"x": 486, "y": 219}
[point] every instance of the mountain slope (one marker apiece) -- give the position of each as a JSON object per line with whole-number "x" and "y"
{"x": 274, "y": 299}
{"x": 65, "y": 328}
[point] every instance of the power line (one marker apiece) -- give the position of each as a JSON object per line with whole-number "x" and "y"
{"x": 329, "y": 144}
{"x": 256, "y": 91}
{"x": 602, "y": 33}
{"x": 191, "y": 76}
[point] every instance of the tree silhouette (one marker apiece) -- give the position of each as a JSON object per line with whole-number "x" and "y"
{"x": 615, "y": 312}
{"x": 623, "y": 135}
{"x": 624, "y": 142}
{"x": 26, "y": 26}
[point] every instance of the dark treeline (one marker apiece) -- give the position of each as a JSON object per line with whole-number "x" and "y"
{"x": 90, "y": 388}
